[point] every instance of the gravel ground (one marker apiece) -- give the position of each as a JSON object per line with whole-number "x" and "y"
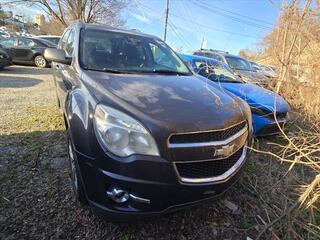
{"x": 35, "y": 193}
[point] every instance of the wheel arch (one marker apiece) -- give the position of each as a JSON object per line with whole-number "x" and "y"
{"x": 78, "y": 117}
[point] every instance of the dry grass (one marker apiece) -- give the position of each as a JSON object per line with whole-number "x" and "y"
{"x": 293, "y": 46}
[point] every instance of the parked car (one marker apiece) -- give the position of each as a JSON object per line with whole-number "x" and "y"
{"x": 267, "y": 107}
{"x": 257, "y": 68}
{"x": 144, "y": 133}
{"x": 240, "y": 66}
{"x": 272, "y": 71}
{"x": 5, "y": 59}
{"x": 51, "y": 38}
{"x": 26, "y": 50}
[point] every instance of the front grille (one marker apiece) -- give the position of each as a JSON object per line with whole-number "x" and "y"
{"x": 208, "y": 169}
{"x": 209, "y": 136}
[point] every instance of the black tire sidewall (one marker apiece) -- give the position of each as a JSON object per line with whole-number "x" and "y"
{"x": 79, "y": 193}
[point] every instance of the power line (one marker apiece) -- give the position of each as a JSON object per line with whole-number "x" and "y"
{"x": 242, "y": 21}
{"x": 137, "y": 4}
{"x": 200, "y": 24}
{"x": 237, "y": 14}
{"x": 171, "y": 25}
{"x": 213, "y": 28}
{"x": 181, "y": 37}
{"x": 191, "y": 17}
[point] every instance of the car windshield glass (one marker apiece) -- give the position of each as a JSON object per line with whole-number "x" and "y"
{"x": 255, "y": 66}
{"x": 238, "y": 63}
{"x": 125, "y": 53}
{"x": 215, "y": 71}
{"x": 52, "y": 39}
{"x": 264, "y": 68}
{"x": 47, "y": 43}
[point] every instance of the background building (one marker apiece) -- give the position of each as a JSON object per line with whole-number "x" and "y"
{"x": 40, "y": 19}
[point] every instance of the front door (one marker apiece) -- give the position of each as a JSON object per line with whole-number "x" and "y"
{"x": 24, "y": 50}
{"x": 8, "y": 45}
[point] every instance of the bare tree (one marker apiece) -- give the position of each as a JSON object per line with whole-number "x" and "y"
{"x": 89, "y": 11}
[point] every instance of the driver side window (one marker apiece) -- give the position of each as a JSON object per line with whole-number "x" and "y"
{"x": 7, "y": 42}
{"x": 160, "y": 57}
{"x": 26, "y": 43}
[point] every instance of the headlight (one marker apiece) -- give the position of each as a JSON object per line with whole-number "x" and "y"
{"x": 121, "y": 134}
{"x": 2, "y": 56}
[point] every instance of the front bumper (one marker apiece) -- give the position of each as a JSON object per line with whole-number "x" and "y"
{"x": 266, "y": 125}
{"x": 147, "y": 177}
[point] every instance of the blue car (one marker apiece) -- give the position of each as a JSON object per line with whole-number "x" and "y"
{"x": 264, "y": 104}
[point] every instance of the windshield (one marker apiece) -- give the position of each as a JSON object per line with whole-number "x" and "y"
{"x": 47, "y": 43}
{"x": 215, "y": 71}
{"x": 255, "y": 66}
{"x": 125, "y": 53}
{"x": 54, "y": 40}
{"x": 264, "y": 68}
{"x": 238, "y": 63}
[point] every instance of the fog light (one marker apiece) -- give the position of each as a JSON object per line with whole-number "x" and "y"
{"x": 118, "y": 195}
{"x": 121, "y": 196}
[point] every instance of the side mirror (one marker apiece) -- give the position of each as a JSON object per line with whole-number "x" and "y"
{"x": 57, "y": 55}
{"x": 1, "y": 46}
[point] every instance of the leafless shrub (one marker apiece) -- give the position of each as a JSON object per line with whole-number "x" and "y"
{"x": 89, "y": 11}
{"x": 294, "y": 47}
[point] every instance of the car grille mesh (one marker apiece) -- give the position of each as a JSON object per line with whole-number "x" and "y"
{"x": 216, "y": 135}
{"x": 207, "y": 169}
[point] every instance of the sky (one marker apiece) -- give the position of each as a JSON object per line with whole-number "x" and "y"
{"x": 229, "y": 25}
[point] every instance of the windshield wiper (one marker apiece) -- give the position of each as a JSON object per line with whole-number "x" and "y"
{"x": 164, "y": 71}
{"x": 110, "y": 70}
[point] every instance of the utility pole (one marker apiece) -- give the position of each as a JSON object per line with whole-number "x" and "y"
{"x": 166, "y": 21}
{"x": 202, "y": 43}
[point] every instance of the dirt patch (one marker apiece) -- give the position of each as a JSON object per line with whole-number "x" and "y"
{"x": 36, "y": 199}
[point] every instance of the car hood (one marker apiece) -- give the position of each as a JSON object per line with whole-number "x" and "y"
{"x": 257, "y": 96}
{"x": 167, "y": 102}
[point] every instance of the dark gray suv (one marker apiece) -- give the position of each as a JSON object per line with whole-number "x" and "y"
{"x": 145, "y": 135}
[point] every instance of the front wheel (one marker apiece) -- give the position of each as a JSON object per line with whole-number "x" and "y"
{"x": 40, "y": 61}
{"x": 76, "y": 181}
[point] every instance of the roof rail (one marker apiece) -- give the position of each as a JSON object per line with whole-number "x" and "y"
{"x": 213, "y": 50}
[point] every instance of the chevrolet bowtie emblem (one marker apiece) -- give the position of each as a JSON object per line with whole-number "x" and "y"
{"x": 224, "y": 151}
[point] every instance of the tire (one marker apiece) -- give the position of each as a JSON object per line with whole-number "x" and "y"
{"x": 40, "y": 61}
{"x": 76, "y": 181}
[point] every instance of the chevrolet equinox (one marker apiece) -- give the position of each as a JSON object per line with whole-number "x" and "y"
{"x": 145, "y": 134}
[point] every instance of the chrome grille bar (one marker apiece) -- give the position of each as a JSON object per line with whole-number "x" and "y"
{"x": 207, "y": 144}
{"x": 217, "y": 179}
